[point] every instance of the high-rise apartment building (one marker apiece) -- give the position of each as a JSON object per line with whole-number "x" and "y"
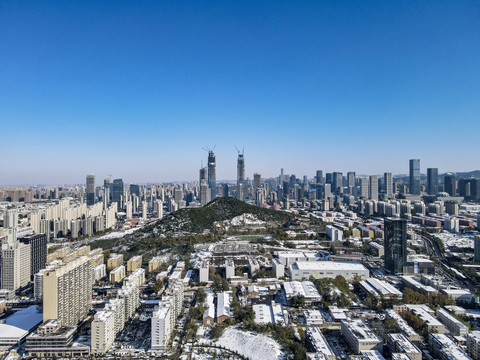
{"x": 90, "y": 189}
{"x": 450, "y": 184}
{"x": 10, "y": 218}
{"x": 38, "y": 251}
{"x": 432, "y": 181}
{"x": 395, "y": 245}
{"x": 319, "y": 177}
{"x": 388, "y": 183}
{"x": 364, "y": 188}
{"x": 67, "y": 292}
{"x": 415, "y": 176}
{"x": 15, "y": 265}
{"x": 257, "y": 181}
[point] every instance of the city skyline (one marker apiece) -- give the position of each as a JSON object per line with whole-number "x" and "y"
{"x": 311, "y": 175}
{"x": 139, "y": 90}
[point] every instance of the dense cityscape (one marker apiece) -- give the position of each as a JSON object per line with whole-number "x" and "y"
{"x": 240, "y": 180}
{"x": 317, "y": 267}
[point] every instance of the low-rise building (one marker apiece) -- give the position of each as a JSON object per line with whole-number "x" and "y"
{"x": 473, "y": 344}
{"x": 52, "y": 340}
{"x": 316, "y": 343}
{"x": 302, "y": 288}
{"x": 223, "y": 307}
{"x": 359, "y": 336}
{"x": 278, "y": 268}
{"x": 444, "y": 348}
{"x": 114, "y": 261}
{"x": 406, "y": 329}
{"x": 204, "y": 271}
{"x": 425, "y": 314}
{"x": 117, "y": 274}
{"x": 313, "y": 317}
{"x": 380, "y": 288}
{"x": 154, "y": 264}
{"x": 399, "y": 343}
{"x": 328, "y": 269}
{"x": 229, "y": 269}
{"x": 455, "y": 326}
{"x": 134, "y": 263}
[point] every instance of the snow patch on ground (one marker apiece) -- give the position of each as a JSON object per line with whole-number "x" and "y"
{"x": 117, "y": 234}
{"x": 253, "y": 346}
{"x": 246, "y": 219}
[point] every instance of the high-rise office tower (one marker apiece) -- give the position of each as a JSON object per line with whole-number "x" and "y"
{"x": 432, "y": 181}
{"x": 395, "y": 245}
{"x": 134, "y": 189}
{"x": 38, "y": 251}
{"x": 67, "y": 292}
{"x": 415, "y": 176}
{"x": 337, "y": 184}
{"x": 257, "y": 180}
{"x": 319, "y": 177}
{"x": 212, "y": 177}
{"x": 351, "y": 177}
{"x": 463, "y": 188}
{"x": 474, "y": 189}
{"x": 373, "y": 187}
{"x": 450, "y": 184}
{"x": 90, "y": 189}
{"x": 203, "y": 175}
{"x": 204, "y": 198}
{"x": 388, "y": 183}
{"x": 117, "y": 190}
{"x": 329, "y": 178}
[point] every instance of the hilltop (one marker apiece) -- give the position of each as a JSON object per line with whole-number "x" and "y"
{"x": 202, "y": 220}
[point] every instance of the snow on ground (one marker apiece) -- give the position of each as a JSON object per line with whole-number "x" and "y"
{"x": 117, "y": 234}
{"x": 253, "y": 346}
{"x": 246, "y": 219}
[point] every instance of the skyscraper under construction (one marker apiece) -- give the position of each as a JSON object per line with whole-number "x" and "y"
{"x": 212, "y": 177}
{"x": 241, "y": 188}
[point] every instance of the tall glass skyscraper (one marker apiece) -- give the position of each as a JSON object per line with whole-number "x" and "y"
{"x": 117, "y": 190}
{"x": 90, "y": 189}
{"x": 415, "y": 176}
{"x": 395, "y": 245}
{"x": 432, "y": 181}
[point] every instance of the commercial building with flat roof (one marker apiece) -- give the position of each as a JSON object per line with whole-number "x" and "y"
{"x": 327, "y": 269}
{"x": 304, "y": 288}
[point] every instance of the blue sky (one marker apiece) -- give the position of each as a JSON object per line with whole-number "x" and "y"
{"x": 136, "y": 88}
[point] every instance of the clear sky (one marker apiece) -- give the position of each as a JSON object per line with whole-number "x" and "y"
{"x": 136, "y": 88}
